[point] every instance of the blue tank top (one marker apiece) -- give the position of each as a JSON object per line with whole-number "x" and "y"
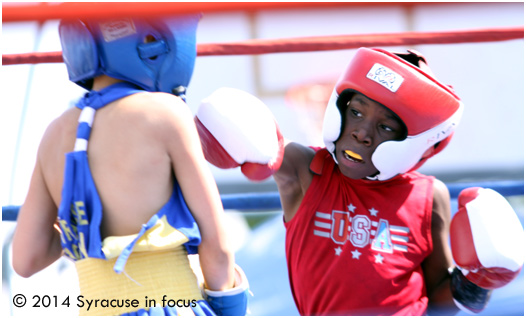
{"x": 80, "y": 211}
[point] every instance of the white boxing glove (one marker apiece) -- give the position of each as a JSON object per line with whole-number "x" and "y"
{"x": 487, "y": 242}
{"x": 237, "y": 129}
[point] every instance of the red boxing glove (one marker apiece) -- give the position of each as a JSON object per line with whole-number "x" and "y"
{"x": 237, "y": 129}
{"x": 487, "y": 242}
{"x": 487, "y": 238}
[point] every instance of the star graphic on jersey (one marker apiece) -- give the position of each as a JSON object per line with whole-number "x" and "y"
{"x": 338, "y": 251}
{"x": 351, "y": 207}
{"x": 373, "y": 211}
{"x": 378, "y": 259}
{"x": 356, "y": 254}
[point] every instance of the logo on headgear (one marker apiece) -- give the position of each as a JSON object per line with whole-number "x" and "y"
{"x": 116, "y": 29}
{"x": 441, "y": 134}
{"x": 385, "y": 77}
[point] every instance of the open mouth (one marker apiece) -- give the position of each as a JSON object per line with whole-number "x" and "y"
{"x": 352, "y": 156}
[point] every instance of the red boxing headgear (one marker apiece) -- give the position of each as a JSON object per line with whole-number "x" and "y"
{"x": 429, "y": 109}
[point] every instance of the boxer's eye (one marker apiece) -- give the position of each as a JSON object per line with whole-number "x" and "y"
{"x": 355, "y": 112}
{"x": 386, "y": 128}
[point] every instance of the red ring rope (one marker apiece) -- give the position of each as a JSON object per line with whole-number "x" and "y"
{"x": 86, "y": 10}
{"x": 320, "y": 43}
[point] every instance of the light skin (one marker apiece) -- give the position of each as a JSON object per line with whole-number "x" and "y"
{"x": 137, "y": 145}
{"x": 366, "y": 125}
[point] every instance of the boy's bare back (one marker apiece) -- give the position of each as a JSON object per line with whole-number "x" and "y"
{"x": 129, "y": 155}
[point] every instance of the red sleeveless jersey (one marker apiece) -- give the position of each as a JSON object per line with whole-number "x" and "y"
{"x": 355, "y": 247}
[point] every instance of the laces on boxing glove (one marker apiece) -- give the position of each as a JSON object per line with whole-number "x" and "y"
{"x": 466, "y": 295}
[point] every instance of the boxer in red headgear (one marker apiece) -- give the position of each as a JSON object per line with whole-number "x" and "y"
{"x": 366, "y": 233}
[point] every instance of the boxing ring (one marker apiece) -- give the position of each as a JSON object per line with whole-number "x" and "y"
{"x": 270, "y": 200}
{"x": 255, "y": 203}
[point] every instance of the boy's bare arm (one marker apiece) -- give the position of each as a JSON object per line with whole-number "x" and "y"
{"x": 201, "y": 195}
{"x": 36, "y": 242}
{"x": 293, "y": 177}
{"x": 436, "y": 265}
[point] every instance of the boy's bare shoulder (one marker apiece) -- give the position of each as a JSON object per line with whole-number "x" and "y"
{"x": 156, "y": 102}
{"x": 441, "y": 204}
{"x": 440, "y": 192}
{"x": 300, "y": 154}
{"x": 60, "y": 129}
{"x": 161, "y": 110}
{"x": 294, "y": 177}
{"x": 295, "y": 167}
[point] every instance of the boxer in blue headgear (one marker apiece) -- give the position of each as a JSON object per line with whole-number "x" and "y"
{"x": 157, "y": 55}
{"x": 143, "y": 198}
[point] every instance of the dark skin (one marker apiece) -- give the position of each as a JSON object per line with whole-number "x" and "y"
{"x": 367, "y": 124}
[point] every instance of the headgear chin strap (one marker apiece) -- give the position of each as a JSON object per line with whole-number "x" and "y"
{"x": 155, "y": 54}
{"x": 430, "y": 110}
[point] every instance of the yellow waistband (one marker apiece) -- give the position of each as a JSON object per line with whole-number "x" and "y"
{"x": 147, "y": 278}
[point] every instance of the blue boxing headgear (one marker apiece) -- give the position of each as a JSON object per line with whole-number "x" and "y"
{"x": 157, "y": 55}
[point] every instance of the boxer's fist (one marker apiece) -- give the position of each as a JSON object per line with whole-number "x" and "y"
{"x": 487, "y": 245}
{"x": 237, "y": 129}
{"x": 487, "y": 238}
